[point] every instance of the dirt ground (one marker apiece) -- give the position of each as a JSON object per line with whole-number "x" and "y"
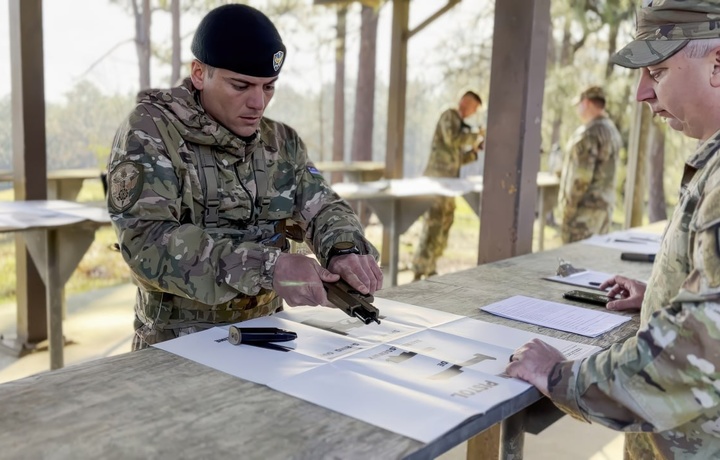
{"x": 462, "y": 250}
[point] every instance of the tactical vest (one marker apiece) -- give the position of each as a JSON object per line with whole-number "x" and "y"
{"x": 174, "y": 312}
{"x": 209, "y": 180}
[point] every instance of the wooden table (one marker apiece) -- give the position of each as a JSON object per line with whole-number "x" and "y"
{"x": 63, "y": 184}
{"x": 57, "y": 234}
{"x": 355, "y": 171}
{"x": 153, "y": 404}
{"x": 398, "y": 203}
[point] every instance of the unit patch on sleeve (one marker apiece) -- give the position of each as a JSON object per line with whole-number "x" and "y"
{"x": 125, "y": 184}
{"x": 313, "y": 170}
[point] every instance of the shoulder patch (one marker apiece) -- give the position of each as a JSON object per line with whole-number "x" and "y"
{"x": 125, "y": 184}
{"x": 313, "y": 170}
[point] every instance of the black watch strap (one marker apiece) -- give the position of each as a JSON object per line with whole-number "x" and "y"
{"x": 343, "y": 248}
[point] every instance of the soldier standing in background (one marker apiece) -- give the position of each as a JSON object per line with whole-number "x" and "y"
{"x": 202, "y": 186}
{"x": 662, "y": 386}
{"x": 587, "y": 183}
{"x": 449, "y": 152}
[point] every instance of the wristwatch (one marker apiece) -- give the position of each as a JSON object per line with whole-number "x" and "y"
{"x": 342, "y": 248}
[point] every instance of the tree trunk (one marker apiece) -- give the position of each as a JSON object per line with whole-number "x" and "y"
{"x": 612, "y": 47}
{"x": 638, "y": 202}
{"x": 339, "y": 102}
{"x": 142, "y": 40}
{"x": 365, "y": 94}
{"x": 176, "y": 42}
{"x": 657, "y": 208}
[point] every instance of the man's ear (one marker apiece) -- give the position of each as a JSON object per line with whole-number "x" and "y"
{"x": 715, "y": 77}
{"x": 197, "y": 74}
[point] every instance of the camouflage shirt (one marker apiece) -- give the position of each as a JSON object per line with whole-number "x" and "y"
{"x": 452, "y": 135}
{"x": 186, "y": 272}
{"x": 663, "y": 385}
{"x": 587, "y": 185}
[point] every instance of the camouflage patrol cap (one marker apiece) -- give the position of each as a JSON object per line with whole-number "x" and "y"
{"x": 241, "y": 39}
{"x": 665, "y": 26}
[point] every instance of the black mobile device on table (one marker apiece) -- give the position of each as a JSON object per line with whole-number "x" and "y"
{"x": 637, "y": 257}
{"x": 587, "y": 297}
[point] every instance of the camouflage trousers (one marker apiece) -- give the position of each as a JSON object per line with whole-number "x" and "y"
{"x": 434, "y": 236}
{"x": 584, "y": 224}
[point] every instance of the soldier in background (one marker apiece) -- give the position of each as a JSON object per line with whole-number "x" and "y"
{"x": 662, "y": 386}
{"x": 202, "y": 187}
{"x": 454, "y": 145}
{"x": 587, "y": 183}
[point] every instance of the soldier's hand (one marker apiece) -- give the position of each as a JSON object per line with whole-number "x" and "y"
{"x": 631, "y": 292}
{"x": 360, "y": 272}
{"x": 533, "y": 362}
{"x": 298, "y": 280}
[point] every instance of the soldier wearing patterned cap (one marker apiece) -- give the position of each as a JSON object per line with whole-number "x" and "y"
{"x": 587, "y": 183}
{"x": 203, "y": 187}
{"x": 662, "y": 386}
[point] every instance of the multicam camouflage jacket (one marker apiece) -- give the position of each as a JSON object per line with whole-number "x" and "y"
{"x": 447, "y": 154}
{"x": 663, "y": 385}
{"x": 188, "y": 272}
{"x": 588, "y": 176}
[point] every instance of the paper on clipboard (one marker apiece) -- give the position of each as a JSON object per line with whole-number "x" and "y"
{"x": 586, "y": 278}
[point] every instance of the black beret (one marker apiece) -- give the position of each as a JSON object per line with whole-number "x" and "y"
{"x": 241, "y": 39}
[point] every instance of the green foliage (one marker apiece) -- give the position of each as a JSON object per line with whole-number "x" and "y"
{"x": 80, "y": 131}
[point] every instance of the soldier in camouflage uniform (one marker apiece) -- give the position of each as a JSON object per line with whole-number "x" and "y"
{"x": 449, "y": 152}
{"x": 202, "y": 188}
{"x": 662, "y": 386}
{"x": 587, "y": 184}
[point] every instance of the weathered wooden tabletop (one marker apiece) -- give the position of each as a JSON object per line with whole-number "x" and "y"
{"x": 153, "y": 404}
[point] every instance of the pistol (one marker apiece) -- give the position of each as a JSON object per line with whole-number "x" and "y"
{"x": 352, "y": 302}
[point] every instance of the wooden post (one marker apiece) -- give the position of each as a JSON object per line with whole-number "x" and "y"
{"x": 514, "y": 120}
{"x": 29, "y": 159}
{"x": 636, "y": 172}
{"x": 512, "y": 158}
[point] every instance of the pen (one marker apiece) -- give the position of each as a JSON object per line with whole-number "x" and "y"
{"x": 594, "y": 283}
{"x": 238, "y": 335}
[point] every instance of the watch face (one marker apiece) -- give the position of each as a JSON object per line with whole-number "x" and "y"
{"x": 343, "y": 245}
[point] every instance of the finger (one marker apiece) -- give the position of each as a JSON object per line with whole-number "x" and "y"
{"x": 362, "y": 275}
{"x": 354, "y": 280}
{"x": 607, "y": 283}
{"x": 316, "y": 294}
{"x": 374, "y": 274}
{"x": 326, "y": 275}
{"x": 617, "y": 290}
{"x": 377, "y": 271}
{"x": 630, "y": 303}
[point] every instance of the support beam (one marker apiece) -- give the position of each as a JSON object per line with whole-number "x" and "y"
{"x": 29, "y": 158}
{"x": 396, "y": 105}
{"x": 397, "y": 89}
{"x": 514, "y": 119}
{"x": 433, "y": 17}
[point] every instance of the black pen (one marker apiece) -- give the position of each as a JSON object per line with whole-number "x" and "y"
{"x": 238, "y": 335}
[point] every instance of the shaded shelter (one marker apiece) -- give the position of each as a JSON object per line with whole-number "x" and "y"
{"x": 514, "y": 114}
